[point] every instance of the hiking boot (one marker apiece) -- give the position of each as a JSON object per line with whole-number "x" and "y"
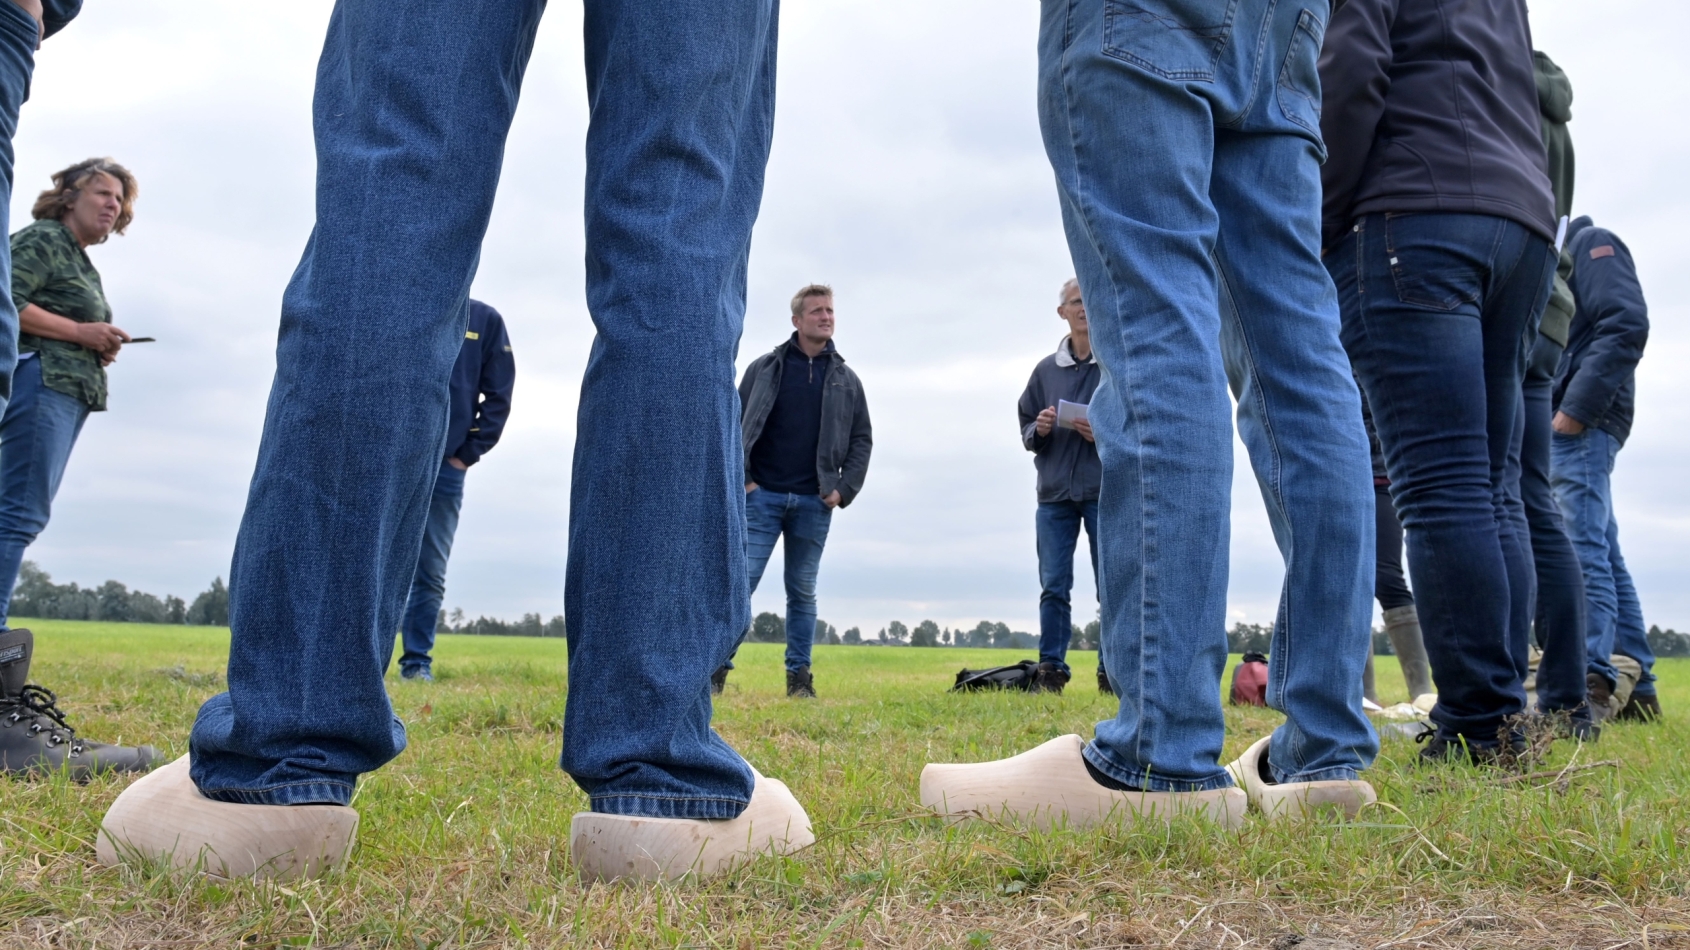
{"x": 1601, "y": 696}
{"x": 1053, "y": 784}
{"x": 164, "y": 818}
{"x": 419, "y": 676}
{"x": 1049, "y": 678}
{"x": 1439, "y": 750}
{"x": 607, "y": 847}
{"x": 1640, "y": 709}
{"x": 1278, "y": 800}
{"x": 800, "y": 684}
{"x": 1103, "y": 681}
{"x": 718, "y": 681}
{"x": 35, "y": 738}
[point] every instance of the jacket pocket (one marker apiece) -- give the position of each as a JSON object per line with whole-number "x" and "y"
{"x": 1299, "y": 76}
{"x": 1432, "y": 264}
{"x": 1175, "y": 39}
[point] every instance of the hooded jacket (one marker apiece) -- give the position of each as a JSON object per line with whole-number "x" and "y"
{"x": 1431, "y": 107}
{"x": 846, "y": 439}
{"x": 1596, "y": 382}
{"x": 1555, "y": 110}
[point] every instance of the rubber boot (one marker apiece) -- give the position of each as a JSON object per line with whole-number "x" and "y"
{"x": 34, "y": 736}
{"x": 1369, "y": 689}
{"x": 1402, "y": 625}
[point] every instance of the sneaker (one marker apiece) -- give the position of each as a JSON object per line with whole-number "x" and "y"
{"x": 1601, "y": 696}
{"x": 1640, "y": 709}
{"x": 420, "y": 676}
{"x": 610, "y": 847}
{"x": 164, "y": 818}
{"x": 1295, "y": 799}
{"x": 34, "y": 736}
{"x": 800, "y": 684}
{"x": 1049, "y": 678}
{"x": 1051, "y": 785}
{"x": 1103, "y": 681}
{"x": 718, "y": 681}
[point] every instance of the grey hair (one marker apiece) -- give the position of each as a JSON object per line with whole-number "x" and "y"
{"x": 1062, "y": 295}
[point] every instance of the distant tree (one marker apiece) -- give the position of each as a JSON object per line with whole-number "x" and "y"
{"x": 825, "y": 633}
{"x": 175, "y": 609}
{"x": 1249, "y": 638}
{"x": 896, "y": 634}
{"x": 768, "y": 628}
{"x": 457, "y": 617}
{"x": 853, "y": 637}
{"x": 1002, "y": 637}
{"x": 1021, "y": 640}
{"x": 1382, "y": 643}
{"x": 211, "y": 607}
{"x": 1668, "y": 642}
{"x": 945, "y": 637}
{"x": 556, "y": 627}
{"x": 925, "y": 634}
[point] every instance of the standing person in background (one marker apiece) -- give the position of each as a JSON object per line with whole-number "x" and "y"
{"x": 805, "y": 427}
{"x": 482, "y": 380}
{"x": 1069, "y": 477}
{"x": 67, "y": 340}
{"x": 1594, "y": 400}
{"x": 1559, "y": 619}
{"x": 1437, "y": 229}
{"x": 1390, "y": 586}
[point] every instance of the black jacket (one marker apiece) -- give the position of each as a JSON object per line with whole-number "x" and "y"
{"x": 1596, "y": 381}
{"x": 482, "y": 381}
{"x": 1067, "y": 464}
{"x": 1431, "y": 107}
{"x": 846, "y": 440}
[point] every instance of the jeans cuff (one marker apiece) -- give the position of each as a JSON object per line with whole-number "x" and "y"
{"x": 295, "y": 793}
{"x": 1141, "y": 779}
{"x": 664, "y": 806}
{"x": 1322, "y": 775}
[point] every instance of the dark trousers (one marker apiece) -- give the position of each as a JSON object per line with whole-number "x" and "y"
{"x": 428, "y": 585}
{"x": 1058, "y": 524}
{"x": 1559, "y": 621}
{"x": 1390, "y": 586}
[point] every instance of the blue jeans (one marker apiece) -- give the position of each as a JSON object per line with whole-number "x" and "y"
{"x": 1187, "y": 158}
{"x": 1582, "y": 466}
{"x": 414, "y": 99}
{"x": 37, "y": 432}
{"x": 428, "y": 587}
{"x": 18, "y": 32}
{"x": 1559, "y": 618}
{"x": 803, "y": 520}
{"x": 1058, "y": 524}
{"x": 1437, "y": 308}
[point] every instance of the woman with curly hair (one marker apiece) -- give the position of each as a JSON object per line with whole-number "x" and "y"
{"x": 66, "y": 339}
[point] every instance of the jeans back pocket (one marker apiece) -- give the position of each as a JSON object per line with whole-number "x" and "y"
{"x": 1299, "y": 76}
{"x": 1175, "y": 39}
{"x": 1436, "y": 261}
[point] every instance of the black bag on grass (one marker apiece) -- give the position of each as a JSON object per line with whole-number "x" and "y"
{"x": 1018, "y": 676}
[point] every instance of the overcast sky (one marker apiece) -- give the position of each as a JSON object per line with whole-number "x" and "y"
{"x": 907, "y": 172}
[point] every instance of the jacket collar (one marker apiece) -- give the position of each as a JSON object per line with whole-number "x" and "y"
{"x": 791, "y": 343}
{"x": 1065, "y": 355}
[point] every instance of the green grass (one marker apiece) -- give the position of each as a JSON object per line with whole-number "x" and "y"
{"x": 464, "y": 837}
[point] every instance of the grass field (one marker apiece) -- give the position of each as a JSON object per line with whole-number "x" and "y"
{"x": 464, "y": 837}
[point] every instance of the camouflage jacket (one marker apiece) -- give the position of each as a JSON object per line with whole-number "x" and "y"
{"x": 52, "y": 271}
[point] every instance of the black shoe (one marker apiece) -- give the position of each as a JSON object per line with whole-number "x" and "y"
{"x": 1049, "y": 678}
{"x": 1103, "y": 681}
{"x": 1640, "y": 709}
{"x": 718, "y": 681}
{"x": 1600, "y": 696}
{"x": 800, "y": 684}
{"x": 34, "y": 737}
{"x": 1441, "y": 751}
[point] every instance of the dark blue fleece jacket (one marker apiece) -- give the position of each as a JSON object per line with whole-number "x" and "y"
{"x": 1596, "y": 383}
{"x": 482, "y": 381}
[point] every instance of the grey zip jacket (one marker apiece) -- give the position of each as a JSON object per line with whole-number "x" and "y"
{"x": 846, "y": 439}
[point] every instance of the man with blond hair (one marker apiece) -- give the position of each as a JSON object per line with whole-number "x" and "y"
{"x": 805, "y": 427}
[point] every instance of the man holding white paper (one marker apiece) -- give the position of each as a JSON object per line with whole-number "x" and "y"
{"x": 1056, "y": 428}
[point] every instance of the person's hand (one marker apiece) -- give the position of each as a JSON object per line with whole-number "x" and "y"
{"x": 33, "y": 8}
{"x": 1083, "y": 427}
{"x": 457, "y": 463}
{"x": 750, "y": 487}
{"x": 102, "y": 338}
{"x": 1566, "y": 425}
{"x": 831, "y": 499}
{"x": 1046, "y": 420}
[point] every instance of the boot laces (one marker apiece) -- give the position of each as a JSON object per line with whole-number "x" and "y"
{"x": 35, "y": 703}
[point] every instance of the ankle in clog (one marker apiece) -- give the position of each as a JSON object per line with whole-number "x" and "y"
{"x": 1296, "y": 799}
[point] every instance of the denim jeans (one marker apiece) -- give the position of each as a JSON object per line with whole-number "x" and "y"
{"x": 37, "y": 432}
{"x": 414, "y": 99}
{"x": 803, "y": 521}
{"x": 1581, "y": 468}
{"x": 428, "y": 586}
{"x": 1559, "y": 618}
{"x": 1187, "y": 159}
{"x": 1436, "y": 312}
{"x": 1058, "y": 524}
{"x": 18, "y": 32}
